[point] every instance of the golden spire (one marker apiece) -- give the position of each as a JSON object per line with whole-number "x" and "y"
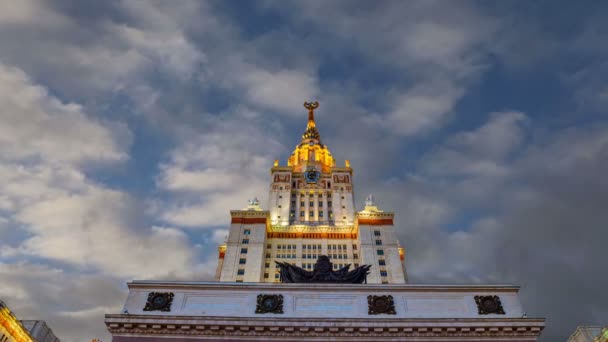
{"x": 310, "y": 150}
{"x": 311, "y": 106}
{"x": 311, "y": 130}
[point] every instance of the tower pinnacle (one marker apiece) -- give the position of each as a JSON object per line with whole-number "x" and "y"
{"x": 311, "y": 129}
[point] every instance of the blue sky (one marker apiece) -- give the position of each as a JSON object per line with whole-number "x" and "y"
{"x": 129, "y": 129}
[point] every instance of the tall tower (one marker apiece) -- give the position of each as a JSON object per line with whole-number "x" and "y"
{"x": 311, "y": 212}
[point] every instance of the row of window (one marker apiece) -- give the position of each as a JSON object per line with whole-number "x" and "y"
{"x": 243, "y": 261}
{"x": 311, "y": 213}
{"x": 310, "y": 204}
{"x": 311, "y": 195}
{"x": 334, "y": 247}
{"x": 244, "y": 251}
{"x": 310, "y": 256}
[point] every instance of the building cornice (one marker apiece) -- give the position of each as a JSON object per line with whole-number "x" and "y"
{"x": 155, "y": 284}
{"x": 267, "y": 327}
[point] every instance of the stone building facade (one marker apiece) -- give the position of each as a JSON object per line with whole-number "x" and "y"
{"x": 311, "y": 212}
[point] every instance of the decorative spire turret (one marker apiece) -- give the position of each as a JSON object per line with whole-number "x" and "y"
{"x": 311, "y": 129}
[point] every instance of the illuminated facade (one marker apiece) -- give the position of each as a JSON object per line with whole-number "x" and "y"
{"x": 11, "y": 330}
{"x": 311, "y": 212}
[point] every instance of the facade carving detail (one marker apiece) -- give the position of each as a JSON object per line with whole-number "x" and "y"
{"x": 159, "y": 301}
{"x": 487, "y": 305}
{"x": 378, "y": 305}
{"x": 269, "y": 304}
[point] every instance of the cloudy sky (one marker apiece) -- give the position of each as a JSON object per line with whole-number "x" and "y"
{"x": 129, "y": 129}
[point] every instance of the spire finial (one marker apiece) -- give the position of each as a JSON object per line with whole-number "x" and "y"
{"x": 311, "y": 129}
{"x": 311, "y": 106}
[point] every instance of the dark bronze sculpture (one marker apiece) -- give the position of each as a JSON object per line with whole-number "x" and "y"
{"x": 323, "y": 273}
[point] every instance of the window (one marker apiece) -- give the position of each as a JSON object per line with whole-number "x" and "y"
{"x": 355, "y": 256}
{"x": 380, "y": 252}
{"x": 268, "y": 255}
{"x": 269, "y": 246}
{"x": 302, "y": 204}
{"x": 276, "y": 276}
{"x": 288, "y": 246}
{"x": 329, "y": 203}
{"x": 293, "y": 195}
{"x": 280, "y": 206}
{"x": 302, "y": 213}
{"x": 267, "y": 265}
{"x": 243, "y": 250}
{"x": 356, "y": 265}
{"x": 320, "y": 213}
{"x": 378, "y": 242}
{"x": 239, "y": 280}
{"x": 301, "y": 195}
{"x": 382, "y": 262}
{"x": 265, "y": 275}
{"x": 247, "y": 232}
{"x": 240, "y": 271}
{"x": 354, "y": 247}
{"x": 293, "y": 203}
{"x": 292, "y": 213}
{"x": 311, "y": 213}
{"x": 310, "y": 195}
{"x": 245, "y": 241}
{"x": 329, "y": 184}
{"x": 331, "y": 213}
{"x": 311, "y": 204}
{"x": 376, "y": 233}
{"x": 383, "y": 274}
{"x": 276, "y": 265}
{"x": 242, "y": 261}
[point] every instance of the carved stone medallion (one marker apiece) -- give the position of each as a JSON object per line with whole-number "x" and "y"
{"x": 487, "y": 305}
{"x": 159, "y": 301}
{"x": 269, "y": 304}
{"x": 380, "y": 305}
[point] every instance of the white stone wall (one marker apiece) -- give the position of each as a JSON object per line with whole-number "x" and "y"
{"x": 254, "y": 256}
{"x": 390, "y": 247}
{"x": 279, "y": 198}
{"x": 324, "y": 300}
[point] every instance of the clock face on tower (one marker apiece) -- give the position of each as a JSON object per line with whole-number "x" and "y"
{"x": 312, "y": 176}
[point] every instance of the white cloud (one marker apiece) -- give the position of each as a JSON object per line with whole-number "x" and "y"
{"x": 284, "y": 91}
{"x": 481, "y": 152}
{"x": 217, "y": 171}
{"x": 68, "y": 217}
{"x": 37, "y": 125}
{"x": 422, "y": 108}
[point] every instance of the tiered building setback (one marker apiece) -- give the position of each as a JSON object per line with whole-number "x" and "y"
{"x": 311, "y": 212}
{"x": 311, "y": 223}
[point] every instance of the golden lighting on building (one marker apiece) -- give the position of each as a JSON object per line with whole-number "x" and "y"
{"x": 9, "y": 325}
